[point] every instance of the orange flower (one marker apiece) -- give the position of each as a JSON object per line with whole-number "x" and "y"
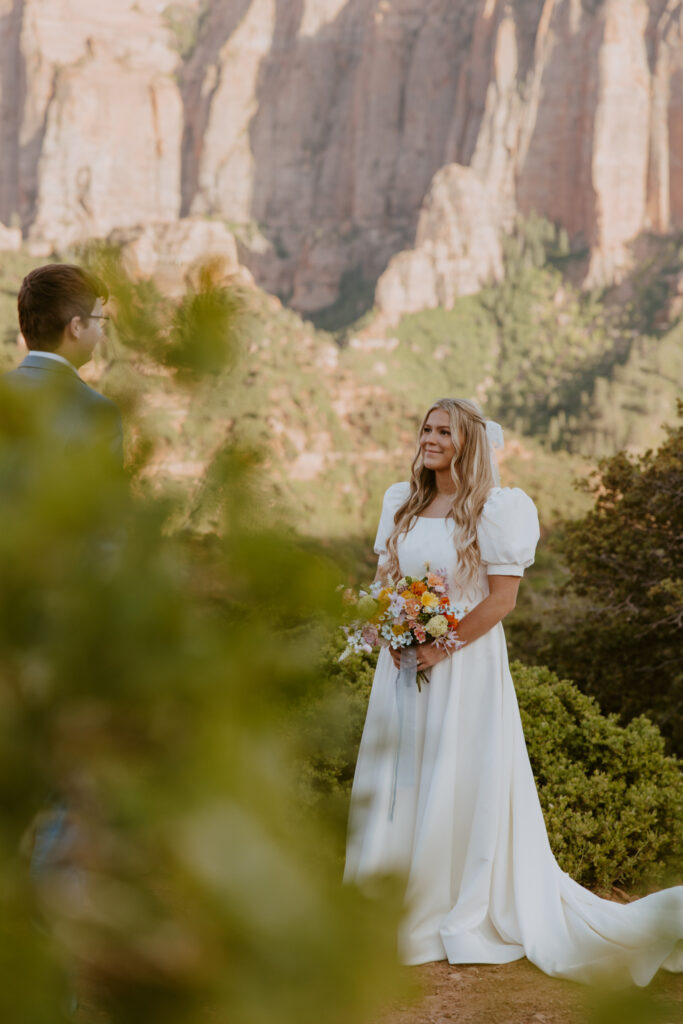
{"x": 418, "y": 587}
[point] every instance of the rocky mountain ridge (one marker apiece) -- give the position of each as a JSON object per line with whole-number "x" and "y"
{"x": 386, "y": 139}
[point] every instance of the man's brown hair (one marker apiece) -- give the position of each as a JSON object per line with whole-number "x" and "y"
{"x": 50, "y": 297}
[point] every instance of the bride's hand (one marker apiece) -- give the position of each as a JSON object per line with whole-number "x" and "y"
{"x": 427, "y": 656}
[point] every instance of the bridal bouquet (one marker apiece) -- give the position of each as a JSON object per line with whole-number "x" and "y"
{"x": 403, "y": 614}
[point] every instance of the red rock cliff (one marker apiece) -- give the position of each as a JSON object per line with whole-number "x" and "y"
{"x": 385, "y": 137}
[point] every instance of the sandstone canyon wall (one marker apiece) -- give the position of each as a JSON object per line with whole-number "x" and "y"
{"x": 392, "y": 139}
{"x": 90, "y": 117}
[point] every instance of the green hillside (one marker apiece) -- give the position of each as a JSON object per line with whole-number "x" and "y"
{"x": 583, "y": 371}
{"x": 571, "y": 375}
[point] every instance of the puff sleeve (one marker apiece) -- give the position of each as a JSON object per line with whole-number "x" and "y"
{"x": 508, "y": 532}
{"x": 393, "y": 499}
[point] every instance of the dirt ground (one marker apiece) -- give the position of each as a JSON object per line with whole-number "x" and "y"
{"x": 519, "y": 993}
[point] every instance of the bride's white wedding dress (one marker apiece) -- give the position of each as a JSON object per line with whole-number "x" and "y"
{"x": 468, "y": 831}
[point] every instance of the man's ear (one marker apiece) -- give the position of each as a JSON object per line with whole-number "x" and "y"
{"x": 74, "y": 327}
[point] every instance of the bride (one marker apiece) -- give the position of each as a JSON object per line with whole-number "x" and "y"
{"x": 465, "y": 826}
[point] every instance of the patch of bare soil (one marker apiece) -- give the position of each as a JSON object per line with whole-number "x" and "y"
{"x": 519, "y": 993}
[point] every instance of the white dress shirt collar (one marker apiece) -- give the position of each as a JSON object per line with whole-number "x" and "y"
{"x": 53, "y": 355}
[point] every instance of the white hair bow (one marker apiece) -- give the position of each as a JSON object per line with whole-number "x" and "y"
{"x": 496, "y": 440}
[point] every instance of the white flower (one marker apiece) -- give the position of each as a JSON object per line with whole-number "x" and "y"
{"x": 402, "y": 640}
{"x": 355, "y": 644}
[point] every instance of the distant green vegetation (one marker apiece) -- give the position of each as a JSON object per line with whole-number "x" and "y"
{"x": 184, "y": 22}
{"x": 582, "y": 371}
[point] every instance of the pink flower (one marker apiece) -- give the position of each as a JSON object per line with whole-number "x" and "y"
{"x": 413, "y": 608}
{"x": 370, "y": 635}
{"x": 438, "y": 581}
{"x": 419, "y": 633}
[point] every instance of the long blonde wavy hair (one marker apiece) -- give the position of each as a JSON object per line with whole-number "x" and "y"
{"x": 472, "y": 475}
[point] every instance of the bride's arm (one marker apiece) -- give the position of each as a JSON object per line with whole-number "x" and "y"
{"x": 492, "y": 610}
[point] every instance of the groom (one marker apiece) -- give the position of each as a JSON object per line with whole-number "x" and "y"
{"x": 61, "y": 316}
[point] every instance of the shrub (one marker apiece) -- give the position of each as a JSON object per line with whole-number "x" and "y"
{"x": 612, "y": 799}
{"x": 331, "y": 723}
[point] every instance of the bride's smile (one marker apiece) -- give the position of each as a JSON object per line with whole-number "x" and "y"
{"x": 436, "y": 441}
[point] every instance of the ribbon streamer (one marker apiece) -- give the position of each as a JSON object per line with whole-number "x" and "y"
{"x": 406, "y": 702}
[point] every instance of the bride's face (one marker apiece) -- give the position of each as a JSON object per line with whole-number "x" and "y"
{"x": 436, "y": 441}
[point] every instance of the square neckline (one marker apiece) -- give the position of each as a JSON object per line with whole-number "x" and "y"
{"x": 496, "y": 487}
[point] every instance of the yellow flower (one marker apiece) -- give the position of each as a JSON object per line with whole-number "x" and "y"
{"x": 398, "y": 629}
{"x": 430, "y": 600}
{"x": 437, "y": 625}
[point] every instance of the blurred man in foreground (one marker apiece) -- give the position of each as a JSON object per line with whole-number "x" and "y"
{"x": 67, "y": 429}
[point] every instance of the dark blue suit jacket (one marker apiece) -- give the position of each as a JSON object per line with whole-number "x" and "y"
{"x": 78, "y": 417}
{"x": 72, "y": 418}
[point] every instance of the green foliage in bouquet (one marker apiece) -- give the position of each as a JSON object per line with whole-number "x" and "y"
{"x": 145, "y": 676}
{"x": 621, "y": 640}
{"x": 612, "y": 799}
